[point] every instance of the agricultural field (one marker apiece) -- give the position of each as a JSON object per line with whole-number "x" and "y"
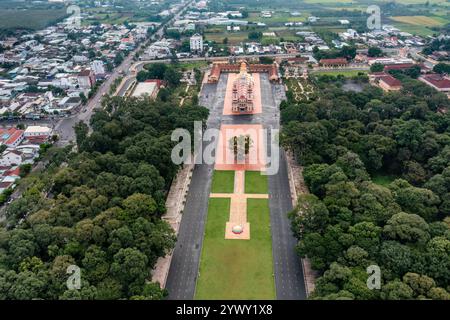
{"x": 421, "y": 20}
{"x": 277, "y": 18}
{"x": 33, "y": 19}
{"x": 234, "y": 38}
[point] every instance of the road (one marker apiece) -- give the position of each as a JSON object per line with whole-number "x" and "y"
{"x": 186, "y": 256}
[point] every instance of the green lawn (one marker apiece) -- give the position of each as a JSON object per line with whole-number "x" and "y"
{"x": 255, "y": 182}
{"x": 382, "y": 179}
{"x": 30, "y": 18}
{"x": 223, "y": 182}
{"x": 345, "y": 73}
{"x": 236, "y": 269}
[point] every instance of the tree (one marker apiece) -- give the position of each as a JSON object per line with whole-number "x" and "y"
{"x": 172, "y": 77}
{"x": 25, "y": 169}
{"x": 130, "y": 267}
{"x": 310, "y": 215}
{"x": 375, "y": 52}
{"x": 406, "y": 228}
{"x": 396, "y": 290}
{"x": 156, "y": 70}
{"x": 442, "y": 68}
{"x": 377, "y": 67}
{"x": 255, "y": 35}
{"x": 240, "y": 145}
{"x": 421, "y": 284}
{"x": 81, "y": 134}
{"x": 139, "y": 205}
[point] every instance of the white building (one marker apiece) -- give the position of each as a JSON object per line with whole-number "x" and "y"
{"x": 10, "y": 158}
{"x": 34, "y": 131}
{"x": 196, "y": 43}
{"x": 98, "y": 67}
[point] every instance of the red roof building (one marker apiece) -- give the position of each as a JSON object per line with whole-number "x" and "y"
{"x": 400, "y": 66}
{"x": 11, "y": 137}
{"x": 13, "y": 172}
{"x": 437, "y": 81}
{"x": 337, "y": 62}
{"x": 385, "y": 81}
{"x": 218, "y": 68}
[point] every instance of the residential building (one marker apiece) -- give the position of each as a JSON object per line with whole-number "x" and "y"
{"x": 98, "y": 68}
{"x": 11, "y": 158}
{"x": 11, "y": 137}
{"x": 196, "y": 43}
{"x": 86, "y": 79}
{"x": 36, "y": 131}
{"x": 385, "y": 81}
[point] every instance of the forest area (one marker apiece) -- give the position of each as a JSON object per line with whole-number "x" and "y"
{"x": 98, "y": 208}
{"x": 351, "y": 220}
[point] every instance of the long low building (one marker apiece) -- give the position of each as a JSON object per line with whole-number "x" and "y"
{"x": 385, "y": 81}
{"x": 218, "y": 68}
{"x": 37, "y": 131}
{"x": 439, "y": 82}
{"x": 148, "y": 88}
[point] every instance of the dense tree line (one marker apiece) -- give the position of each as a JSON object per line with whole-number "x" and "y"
{"x": 346, "y": 52}
{"x": 99, "y": 208}
{"x": 348, "y": 222}
{"x": 160, "y": 71}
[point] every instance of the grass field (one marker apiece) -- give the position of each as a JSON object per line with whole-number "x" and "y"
{"x": 345, "y": 73}
{"x": 30, "y": 19}
{"x": 382, "y": 179}
{"x": 277, "y": 18}
{"x": 223, "y": 182}
{"x": 234, "y": 38}
{"x": 236, "y": 269}
{"x": 256, "y": 183}
{"x": 421, "y": 20}
{"x": 191, "y": 65}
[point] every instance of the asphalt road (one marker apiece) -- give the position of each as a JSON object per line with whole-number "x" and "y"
{"x": 185, "y": 262}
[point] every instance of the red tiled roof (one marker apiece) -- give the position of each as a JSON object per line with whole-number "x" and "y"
{"x": 14, "y": 136}
{"x": 391, "y": 81}
{"x": 8, "y": 136}
{"x": 437, "y": 80}
{"x": 5, "y": 185}
{"x": 85, "y": 73}
{"x": 399, "y": 66}
{"x": 13, "y": 172}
